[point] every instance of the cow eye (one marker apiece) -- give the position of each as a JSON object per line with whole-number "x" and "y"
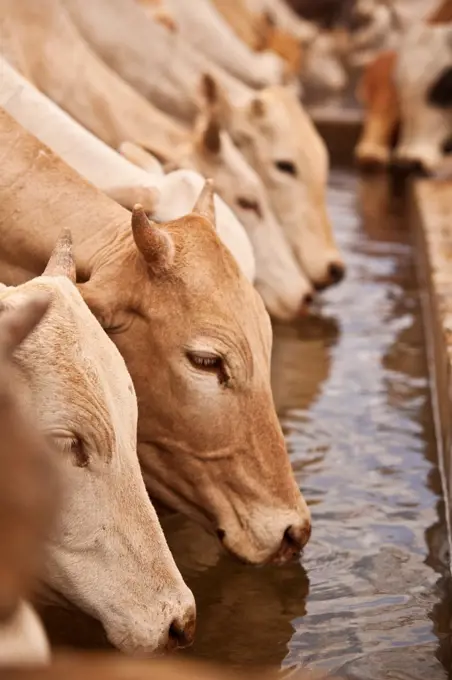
{"x": 287, "y": 167}
{"x": 75, "y": 447}
{"x": 249, "y": 204}
{"x": 209, "y": 363}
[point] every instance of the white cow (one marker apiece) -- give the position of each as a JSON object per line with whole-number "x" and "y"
{"x": 284, "y": 288}
{"x": 108, "y": 556}
{"x": 108, "y": 170}
{"x": 270, "y": 127}
{"x": 424, "y": 81}
{"x": 202, "y": 26}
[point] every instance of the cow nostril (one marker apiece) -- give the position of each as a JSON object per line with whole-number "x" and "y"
{"x": 221, "y": 535}
{"x": 295, "y": 538}
{"x": 181, "y": 634}
{"x": 336, "y": 272}
{"x": 306, "y": 302}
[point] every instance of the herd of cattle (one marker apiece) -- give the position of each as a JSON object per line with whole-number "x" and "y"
{"x": 112, "y": 114}
{"x": 406, "y": 90}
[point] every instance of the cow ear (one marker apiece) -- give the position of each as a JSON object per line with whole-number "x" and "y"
{"x": 257, "y": 108}
{"x": 211, "y": 135}
{"x": 62, "y": 262}
{"x": 214, "y": 100}
{"x": 440, "y": 93}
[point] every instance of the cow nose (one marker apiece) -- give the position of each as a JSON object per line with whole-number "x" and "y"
{"x": 182, "y": 631}
{"x": 406, "y": 167}
{"x": 293, "y": 542}
{"x": 306, "y": 302}
{"x": 336, "y": 272}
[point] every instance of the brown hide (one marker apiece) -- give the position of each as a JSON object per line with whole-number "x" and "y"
{"x": 210, "y": 443}
{"x": 27, "y": 479}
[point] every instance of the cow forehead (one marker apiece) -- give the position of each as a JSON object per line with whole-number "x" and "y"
{"x": 80, "y": 358}
{"x": 293, "y": 126}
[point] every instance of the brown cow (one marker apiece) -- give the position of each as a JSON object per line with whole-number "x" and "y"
{"x": 195, "y": 337}
{"x": 28, "y": 498}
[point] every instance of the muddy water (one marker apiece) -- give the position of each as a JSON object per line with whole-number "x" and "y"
{"x": 369, "y": 598}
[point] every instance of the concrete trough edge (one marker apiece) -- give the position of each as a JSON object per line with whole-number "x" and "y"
{"x": 430, "y": 213}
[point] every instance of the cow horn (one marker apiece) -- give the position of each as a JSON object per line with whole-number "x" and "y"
{"x": 205, "y": 206}
{"x": 61, "y": 262}
{"x": 155, "y": 245}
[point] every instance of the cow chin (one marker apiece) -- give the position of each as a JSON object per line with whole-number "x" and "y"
{"x": 253, "y": 525}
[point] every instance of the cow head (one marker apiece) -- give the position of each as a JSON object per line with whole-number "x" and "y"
{"x": 197, "y": 340}
{"x": 109, "y": 556}
{"x": 278, "y": 139}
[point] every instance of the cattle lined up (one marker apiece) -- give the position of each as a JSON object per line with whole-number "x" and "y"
{"x": 160, "y": 198}
{"x": 407, "y": 95}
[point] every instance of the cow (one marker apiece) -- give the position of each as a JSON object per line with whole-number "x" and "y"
{"x": 379, "y": 93}
{"x": 108, "y": 555}
{"x": 270, "y": 127}
{"x": 424, "y": 84}
{"x": 29, "y": 493}
{"x": 285, "y": 290}
{"x": 195, "y": 337}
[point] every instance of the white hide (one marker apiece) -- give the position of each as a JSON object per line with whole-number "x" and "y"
{"x": 206, "y": 30}
{"x": 23, "y": 641}
{"x": 103, "y": 166}
{"x": 169, "y": 74}
{"x": 108, "y": 555}
{"x": 425, "y": 52}
{"x": 294, "y": 168}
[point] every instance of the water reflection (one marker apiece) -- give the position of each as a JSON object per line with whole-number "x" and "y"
{"x": 372, "y": 596}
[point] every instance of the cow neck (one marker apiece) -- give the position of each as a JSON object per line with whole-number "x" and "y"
{"x": 39, "y": 195}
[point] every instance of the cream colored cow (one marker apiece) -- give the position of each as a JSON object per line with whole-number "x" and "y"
{"x": 171, "y": 196}
{"x": 424, "y": 84}
{"x": 195, "y": 337}
{"x": 108, "y": 556}
{"x": 206, "y": 30}
{"x": 270, "y": 127}
{"x": 284, "y": 288}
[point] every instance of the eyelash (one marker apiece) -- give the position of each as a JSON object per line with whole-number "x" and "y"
{"x": 209, "y": 364}
{"x": 77, "y": 449}
{"x": 286, "y": 166}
